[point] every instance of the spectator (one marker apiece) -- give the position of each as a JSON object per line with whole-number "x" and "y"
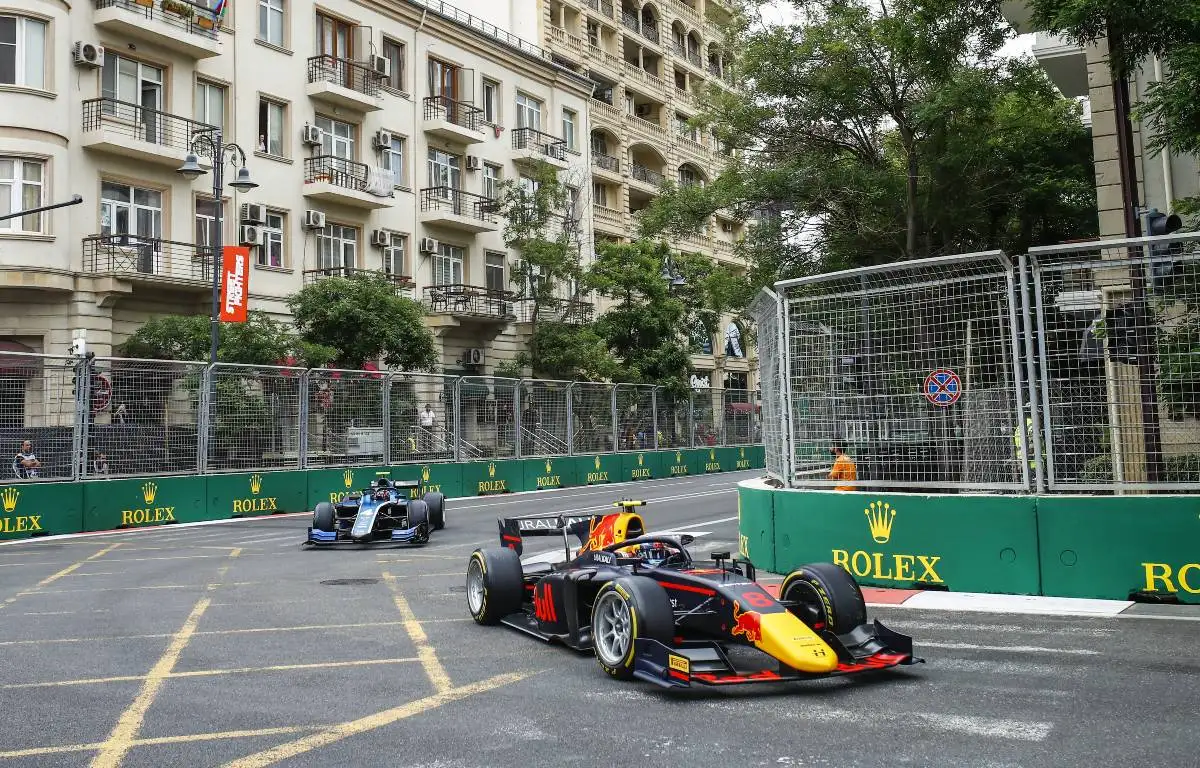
{"x": 25, "y": 463}
{"x": 427, "y": 419}
{"x": 119, "y": 414}
{"x": 100, "y": 464}
{"x": 844, "y": 468}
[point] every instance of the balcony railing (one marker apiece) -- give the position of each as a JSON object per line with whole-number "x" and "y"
{"x": 607, "y": 162}
{"x": 604, "y": 7}
{"x": 647, "y": 175}
{"x": 459, "y": 299}
{"x": 149, "y": 125}
{"x": 349, "y": 174}
{"x": 402, "y": 283}
{"x": 348, "y": 74}
{"x": 633, "y": 23}
{"x": 151, "y": 256}
{"x": 458, "y": 112}
{"x": 570, "y": 311}
{"x": 459, "y": 202}
{"x": 546, "y": 144}
{"x": 195, "y": 23}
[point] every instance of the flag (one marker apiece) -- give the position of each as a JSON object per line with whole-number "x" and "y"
{"x": 219, "y": 11}
{"x": 235, "y": 283}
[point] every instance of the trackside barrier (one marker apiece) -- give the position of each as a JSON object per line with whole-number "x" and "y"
{"x": 41, "y": 509}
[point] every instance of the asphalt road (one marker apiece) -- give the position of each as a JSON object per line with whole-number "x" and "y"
{"x": 225, "y": 645}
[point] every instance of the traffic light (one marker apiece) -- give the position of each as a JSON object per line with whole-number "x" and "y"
{"x": 1162, "y": 255}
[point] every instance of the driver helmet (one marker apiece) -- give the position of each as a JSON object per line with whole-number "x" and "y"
{"x": 382, "y": 494}
{"x": 651, "y": 552}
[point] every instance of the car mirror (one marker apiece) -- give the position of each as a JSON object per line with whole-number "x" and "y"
{"x": 686, "y": 539}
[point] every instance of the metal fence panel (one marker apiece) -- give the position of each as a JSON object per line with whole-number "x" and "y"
{"x": 544, "y": 407}
{"x": 422, "y": 417}
{"x": 37, "y": 403}
{"x": 674, "y": 421}
{"x": 345, "y": 417}
{"x": 741, "y": 417}
{"x": 1118, "y": 340}
{"x": 488, "y": 427}
{"x": 145, "y": 417}
{"x": 635, "y": 417}
{"x": 592, "y": 417}
{"x": 706, "y": 416}
{"x": 254, "y": 421}
{"x": 767, "y": 311}
{"x": 914, "y": 367}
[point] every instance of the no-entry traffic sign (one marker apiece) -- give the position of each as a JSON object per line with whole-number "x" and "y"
{"x": 943, "y": 387}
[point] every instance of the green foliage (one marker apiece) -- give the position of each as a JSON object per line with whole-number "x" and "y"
{"x": 364, "y": 319}
{"x": 567, "y": 352}
{"x": 261, "y": 340}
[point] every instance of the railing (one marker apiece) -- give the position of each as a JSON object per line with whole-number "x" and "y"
{"x": 647, "y": 31}
{"x": 459, "y": 299}
{"x": 607, "y": 162}
{"x": 402, "y": 283}
{"x": 695, "y": 59}
{"x": 459, "y": 203}
{"x": 339, "y": 172}
{"x": 196, "y": 23}
{"x": 131, "y": 254}
{"x": 686, "y": 10}
{"x": 714, "y": 69}
{"x": 540, "y": 442}
{"x": 149, "y": 125}
{"x": 651, "y": 128}
{"x": 459, "y": 16}
{"x": 647, "y": 175}
{"x": 607, "y": 215}
{"x": 608, "y": 110}
{"x": 546, "y": 144}
{"x": 603, "y": 7}
{"x": 348, "y": 74}
{"x": 569, "y": 311}
{"x": 458, "y": 112}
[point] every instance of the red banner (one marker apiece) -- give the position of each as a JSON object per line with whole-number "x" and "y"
{"x": 235, "y": 284}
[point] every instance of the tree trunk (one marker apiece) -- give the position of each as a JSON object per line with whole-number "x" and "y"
{"x": 910, "y": 219}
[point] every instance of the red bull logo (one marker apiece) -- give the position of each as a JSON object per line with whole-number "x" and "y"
{"x": 748, "y": 623}
{"x": 603, "y": 534}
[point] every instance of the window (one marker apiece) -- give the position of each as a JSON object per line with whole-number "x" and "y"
{"x": 688, "y": 177}
{"x": 529, "y": 112}
{"x": 128, "y": 210}
{"x": 337, "y": 247}
{"x": 270, "y": 21}
{"x": 600, "y": 195}
{"x": 392, "y": 159}
{"x": 270, "y": 127}
{"x": 443, "y": 79}
{"x": 206, "y": 222}
{"x": 443, "y": 171}
{"x": 593, "y": 33}
{"x": 335, "y": 38}
{"x": 395, "y": 256}
{"x": 22, "y": 52}
{"x": 491, "y": 181}
{"x": 394, "y": 52}
{"x": 22, "y": 187}
{"x": 448, "y": 264}
{"x": 491, "y": 101}
{"x": 271, "y": 252}
{"x": 570, "y": 119}
{"x": 494, "y": 271}
{"x": 132, "y": 82}
{"x": 210, "y": 104}
{"x": 337, "y": 138}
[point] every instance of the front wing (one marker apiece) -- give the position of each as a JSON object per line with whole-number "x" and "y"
{"x": 399, "y": 536}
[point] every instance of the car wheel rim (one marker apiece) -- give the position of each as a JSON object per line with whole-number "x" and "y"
{"x": 474, "y": 586}
{"x": 811, "y": 609}
{"x": 613, "y": 629}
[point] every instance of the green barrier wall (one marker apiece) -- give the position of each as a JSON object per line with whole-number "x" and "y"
{"x": 961, "y": 542}
{"x": 598, "y": 468}
{"x": 676, "y": 463}
{"x": 134, "y": 503}
{"x": 546, "y": 474}
{"x": 485, "y": 478}
{"x": 333, "y": 483}
{"x": 261, "y": 493}
{"x": 715, "y": 460}
{"x": 643, "y": 465}
{"x": 40, "y": 509}
{"x": 756, "y": 527}
{"x": 446, "y": 479}
{"x": 1110, "y": 547}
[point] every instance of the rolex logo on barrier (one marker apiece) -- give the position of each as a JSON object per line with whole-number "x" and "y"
{"x": 900, "y": 569}
{"x": 255, "y": 484}
{"x": 742, "y": 461}
{"x": 251, "y": 505}
{"x": 641, "y": 459}
{"x": 597, "y": 462}
{"x": 149, "y": 514}
{"x": 149, "y": 491}
{"x": 549, "y": 467}
{"x": 641, "y": 471}
{"x": 712, "y": 465}
{"x": 549, "y": 480}
{"x": 880, "y": 516}
{"x": 492, "y": 469}
{"x": 425, "y": 474}
{"x": 596, "y": 475}
{"x": 492, "y": 485}
{"x": 679, "y": 467}
{"x": 16, "y": 523}
{"x": 348, "y": 478}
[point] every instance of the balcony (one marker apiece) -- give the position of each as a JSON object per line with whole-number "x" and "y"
{"x": 343, "y": 83}
{"x": 607, "y": 112}
{"x": 685, "y": 10}
{"x": 563, "y": 43}
{"x": 569, "y": 311}
{"x": 651, "y": 131}
{"x": 607, "y": 219}
{"x": 602, "y": 7}
{"x": 533, "y": 146}
{"x": 177, "y": 26}
{"x": 453, "y": 121}
{"x": 646, "y": 31}
{"x": 455, "y": 209}
{"x": 149, "y": 260}
{"x": 346, "y": 182}
{"x": 1064, "y": 62}
{"x": 634, "y": 72}
{"x": 148, "y": 135}
{"x": 647, "y": 176}
{"x": 402, "y": 283}
{"x": 469, "y": 302}
{"x": 606, "y": 163}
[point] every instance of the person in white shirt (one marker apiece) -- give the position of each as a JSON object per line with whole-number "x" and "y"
{"x": 25, "y": 463}
{"x": 427, "y": 419}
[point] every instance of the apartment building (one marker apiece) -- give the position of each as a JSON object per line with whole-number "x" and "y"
{"x": 377, "y": 132}
{"x": 1078, "y": 72}
{"x": 646, "y": 60}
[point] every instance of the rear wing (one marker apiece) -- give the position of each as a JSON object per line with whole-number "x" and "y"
{"x": 514, "y": 529}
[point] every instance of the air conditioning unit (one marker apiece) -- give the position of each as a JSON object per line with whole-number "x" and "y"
{"x": 473, "y": 356}
{"x": 726, "y": 226}
{"x": 311, "y": 135}
{"x": 249, "y": 235}
{"x": 381, "y": 238}
{"x": 253, "y": 213}
{"x": 88, "y": 54}
{"x": 382, "y": 66}
{"x": 383, "y": 139}
{"x": 429, "y": 245}
{"x": 474, "y": 163}
{"x": 314, "y": 220}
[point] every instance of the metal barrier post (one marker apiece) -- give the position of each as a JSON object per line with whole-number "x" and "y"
{"x": 458, "y": 418}
{"x": 302, "y": 449}
{"x": 204, "y": 419}
{"x": 83, "y": 416}
{"x": 654, "y": 418}
{"x": 1039, "y": 473}
{"x": 517, "y": 418}
{"x": 387, "y": 419}
{"x": 616, "y": 421}
{"x": 691, "y": 427}
{"x": 571, "y": 418}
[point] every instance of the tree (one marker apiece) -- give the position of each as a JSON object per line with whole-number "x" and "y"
{"x": 261, "y": 340}
{"x": 363, "y": 319}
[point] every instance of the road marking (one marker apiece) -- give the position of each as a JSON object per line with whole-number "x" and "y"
{"x": 251, "y": 630}
{"x": 1015, "y": 730}
{"x": 336, "y": 733}
{"x": 216, "y": 735}
{"x": 433, "y": 668}
{"x": 949, "y": 626}
{"x": 56, "y": 576}
{"x": 144, "y": 586}
{"x": 1009, "y": 648}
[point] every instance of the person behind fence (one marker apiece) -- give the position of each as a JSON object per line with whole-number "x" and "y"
{"x": 100, "y": 464}
{"x": 25, "y": 463}
{"x": 844, "y": 468}
{"x": 427, "y": 419}
{"x": 1028, "y": 443}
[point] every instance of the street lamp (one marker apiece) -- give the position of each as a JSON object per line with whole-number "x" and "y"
{"x": 191, "y": 170}
{"x": 669, "y": 274}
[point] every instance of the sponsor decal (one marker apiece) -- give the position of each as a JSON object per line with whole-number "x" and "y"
{"x": 543, "y": 603}
{"x": 254, "y": 503}
{"x": 13, "y": 523}
{"x": 235, "y": 283}
{"x": 148, "y": 514}
{"x": 492, "y": 485}
{"x": 608, "y": 558}
{"x": 641, "y": 471}
{"x": 679, "y": 663}
{"x": 679, "y": 467}
{"x": 549, "y": 479}
{"x": 597, "y": 476}
{"x": 712, "y": 465}
{"x": 425, "y": 475}
{"x": 742, "y": 462}
{"x": 1174, "y": 579}
{"x": 748, "y": 623}
{"x": 897, "y": 567}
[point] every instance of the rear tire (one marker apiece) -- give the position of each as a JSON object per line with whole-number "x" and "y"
{"x": 829, "y": 598}
{"x": 437, "y": 509}
{"x": 324, "y": 517}
{"x": 626, "y": 609}
{"x": 495, "y": 584}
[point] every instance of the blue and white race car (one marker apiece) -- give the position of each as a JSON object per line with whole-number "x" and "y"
{"x": 384, "y": 512}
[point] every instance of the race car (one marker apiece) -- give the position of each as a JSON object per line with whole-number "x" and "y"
{"x": 383, "y": 512}
{"x": 649, "y": 611}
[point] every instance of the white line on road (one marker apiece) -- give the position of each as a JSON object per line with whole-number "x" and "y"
{"x": 1008, "y": 648}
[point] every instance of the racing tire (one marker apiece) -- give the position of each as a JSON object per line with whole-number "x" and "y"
{"x": 625, "y": 610}
{"x": 437, "y": 509}
{"x": 324, "y": 517}
{"x": 829, "y": 598}
{"x": 495, "y": 584}
{"x": 418, "y": 517}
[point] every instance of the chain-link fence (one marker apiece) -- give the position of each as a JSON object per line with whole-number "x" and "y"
{"x": 487, "y": 417}
{"x": 38, "y": 424}
{"x": 635, "y": 416}
{"x": 706, "y": 416}
{"x": 593, "y": 425}
{"x": 344, "y": 424}
{"x": 545, "y": 406}
{"x": 741, "y": 414}
{"x": 674, "y": 421}
{"x": 767, "y": 311}
{"x": 423, "y": 417}
{"x": 254, "y": 416}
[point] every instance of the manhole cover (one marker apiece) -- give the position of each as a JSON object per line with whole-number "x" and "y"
{"x": 348, "y": 582}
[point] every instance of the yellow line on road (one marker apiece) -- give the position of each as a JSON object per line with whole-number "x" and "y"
{"x": 56, "y": 576}
{"x": 336, "y": 733}
{"x": 433, "y": 668}
{"x": 36, "y": 751}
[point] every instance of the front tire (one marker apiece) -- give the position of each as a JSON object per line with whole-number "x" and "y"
{"x": 626, "y": 609}
{"x": 495, "y": 584}
{"x": 324, "y": 517}
{"x": 828, "y": 597}
{"x": 437, "y": 509}
{"x": 418, "y": 517}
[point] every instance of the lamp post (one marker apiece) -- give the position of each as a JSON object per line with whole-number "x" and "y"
{"x": 191, "y": 169}
{"x": 670, "y": 275}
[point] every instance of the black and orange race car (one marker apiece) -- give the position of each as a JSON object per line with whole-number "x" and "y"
{"x": 650, "y": 612}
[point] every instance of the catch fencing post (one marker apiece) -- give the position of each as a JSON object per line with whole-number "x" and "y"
{"x": 571, "y": 419}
